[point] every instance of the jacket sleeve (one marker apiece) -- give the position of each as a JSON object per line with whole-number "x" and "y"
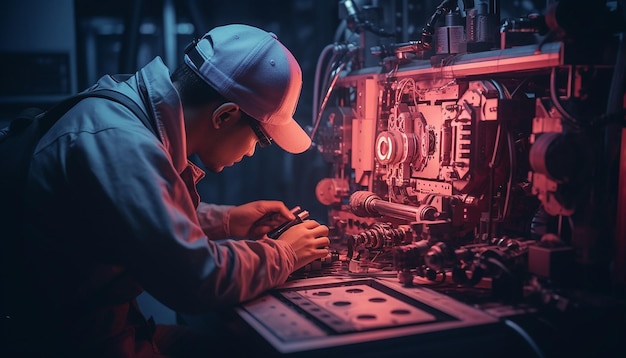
{"x": 143, "y": 217}
{"x": 212, "y": 219}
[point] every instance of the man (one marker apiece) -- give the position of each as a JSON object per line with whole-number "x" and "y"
{"x": 112, "y": 208}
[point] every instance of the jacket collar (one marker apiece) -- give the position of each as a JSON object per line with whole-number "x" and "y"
{"x": 166, "y": 106}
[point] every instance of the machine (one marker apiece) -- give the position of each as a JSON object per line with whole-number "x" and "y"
{"x": 480, "y": 161}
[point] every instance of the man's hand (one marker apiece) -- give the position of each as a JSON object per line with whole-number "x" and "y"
{"x": 257, "y": 218}
{"x": 309, "y": 240}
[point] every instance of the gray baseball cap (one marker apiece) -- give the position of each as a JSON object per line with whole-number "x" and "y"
{"x": 250, "y": 67}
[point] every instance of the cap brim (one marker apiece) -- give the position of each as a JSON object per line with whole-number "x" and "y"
{"x": 289, "y": 136}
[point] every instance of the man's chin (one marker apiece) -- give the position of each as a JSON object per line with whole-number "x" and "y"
{"x": 217, "y": 169}
{"x": 213, "y": 169}
{"x": 221, "y": 168}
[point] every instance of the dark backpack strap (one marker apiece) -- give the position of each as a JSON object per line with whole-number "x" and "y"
{"x": 56, "y": 112}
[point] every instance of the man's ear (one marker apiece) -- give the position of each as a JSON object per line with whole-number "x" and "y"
{"x": 224, "y": 113}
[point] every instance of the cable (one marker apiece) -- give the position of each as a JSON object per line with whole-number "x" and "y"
{"x": 519, "y": 86}
{"x": 318, "y": 69}
{"x": 501, "y": 266}
{"x": 326, "y": 97}
{"x": 557, "y": 102}
{"x": 339, "y": 31}
{"x": 527, "y": 338}
{"x": 492, "y": 169}
{"x": 505, "y": 94}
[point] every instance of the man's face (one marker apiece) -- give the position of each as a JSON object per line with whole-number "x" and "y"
{"x": 231, "y": 143}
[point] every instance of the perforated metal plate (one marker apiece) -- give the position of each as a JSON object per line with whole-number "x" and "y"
{"x": 325, "y": 312}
